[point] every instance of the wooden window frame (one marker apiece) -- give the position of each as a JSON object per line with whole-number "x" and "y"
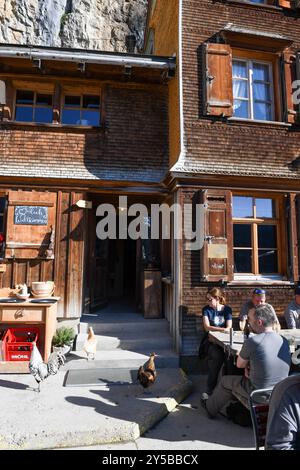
{"x": 280, "y": 232}
{"x": 34, "y": 105}
{"x": 80, "y": 108}
{"x": 273, "y": 60}
{"x": 250, "y": 65}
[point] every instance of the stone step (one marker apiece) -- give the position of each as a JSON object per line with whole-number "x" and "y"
{"x": 119, "y": 358}
{"x": 127, "y": 340}
{"x": 116, "y": 326}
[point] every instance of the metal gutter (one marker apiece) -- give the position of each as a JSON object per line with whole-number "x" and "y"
{"x": 104, "y": 58}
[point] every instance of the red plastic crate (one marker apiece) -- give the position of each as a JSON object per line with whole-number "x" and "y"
{"x": 16, "y": 346}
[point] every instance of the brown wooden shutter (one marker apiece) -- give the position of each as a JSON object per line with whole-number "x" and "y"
{"x": 218, "y": 80}
{"x": 28, "y": 240}
{"x": 288, "y": 76}
{"x": 293, "y": 260}
{"x": 217, "y": 251}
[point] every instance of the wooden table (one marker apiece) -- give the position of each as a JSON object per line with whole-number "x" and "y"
{"x": 42, "y": 315}
{"x": 222, "y": 339}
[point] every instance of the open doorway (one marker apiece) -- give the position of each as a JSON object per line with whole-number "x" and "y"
{"x": 125, "y": 273}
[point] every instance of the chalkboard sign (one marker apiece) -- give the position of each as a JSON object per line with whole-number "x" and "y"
{"x": 31, "y": 215}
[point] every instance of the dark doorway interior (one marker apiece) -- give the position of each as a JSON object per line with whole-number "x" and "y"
{"x": 113, "y": 264}
{"x": 121, "y": 268}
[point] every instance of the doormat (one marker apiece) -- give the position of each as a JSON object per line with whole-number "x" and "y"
{"x": 92, "y": 377}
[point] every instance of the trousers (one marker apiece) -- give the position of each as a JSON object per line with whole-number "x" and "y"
{"x": 222, "y": 394}
{"x": 215, "y": 360}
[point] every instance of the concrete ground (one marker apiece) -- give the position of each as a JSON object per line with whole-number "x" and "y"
{"x": 113, "y": 418}
{"x": 187, "y": 427}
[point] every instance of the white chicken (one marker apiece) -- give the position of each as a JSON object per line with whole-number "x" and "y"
{"x": 90, "y": 345}
{"x": 40, "y": 369}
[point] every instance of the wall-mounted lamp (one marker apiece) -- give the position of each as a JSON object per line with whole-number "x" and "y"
{"x": 84, "y": 204}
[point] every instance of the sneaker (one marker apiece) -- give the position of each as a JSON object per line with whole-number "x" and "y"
{"x": 203, "y": 404}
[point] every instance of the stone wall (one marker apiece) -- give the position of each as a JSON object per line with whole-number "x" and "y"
{"x": 88, "y": 24}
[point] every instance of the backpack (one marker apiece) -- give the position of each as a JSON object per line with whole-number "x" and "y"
{"x": 237, "y": 413}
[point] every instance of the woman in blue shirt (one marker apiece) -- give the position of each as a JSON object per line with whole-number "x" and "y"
{"x": 217, "y": 316}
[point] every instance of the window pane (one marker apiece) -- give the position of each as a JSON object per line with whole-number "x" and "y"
{"x": 242, "y": 261}
{"x": 24, "y": 97}
{"x": 262, "y": 111}
{"x": 44, "y": 100}
{"x": 242, "y": 206}
{"x": 267, "y": 260}
{"x": 90, "y": 118}
{"x": 265, "y": 208}
{"x": 2, "y": 204}
{"x": 267, "y": 236}
{"x": 240, "y": 108}
{"x": 261, "y": 92}
{"x": 261, "y": 72}
{"x": 91, "y": 101}
{"x": 43, "y": 115}
{"x": 240, "y": 88}
{"x": 24, "y": 114}
{"x": 70, "y": 116}
{"x": 242, "y": 235}
{"x": 72, "y": 101}
{"x": 239, "y": 69}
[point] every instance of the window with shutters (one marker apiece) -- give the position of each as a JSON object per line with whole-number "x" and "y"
{"x": 257, "y": 236}
{"x": 243, "y": 83}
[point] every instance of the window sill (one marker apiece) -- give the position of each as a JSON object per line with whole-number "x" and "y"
{"x": 259, "y": 280}
{"x": 256, "y": 121}
{"x": 250, "y": 4}
{"x": 51, "y": 125}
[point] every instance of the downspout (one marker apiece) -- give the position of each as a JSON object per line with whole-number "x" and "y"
{"x": 178, "y": 165}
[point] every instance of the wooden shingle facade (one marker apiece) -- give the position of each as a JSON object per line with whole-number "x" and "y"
{"x": 234, "y": 147}
{"x": 77, "y": 129}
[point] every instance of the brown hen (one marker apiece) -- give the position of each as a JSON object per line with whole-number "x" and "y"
{"x": 147, "y": 373}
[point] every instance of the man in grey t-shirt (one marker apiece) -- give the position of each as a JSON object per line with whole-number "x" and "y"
{"x": 283, "y": 428}
{"x": 264, "y": 356}
{"x": 292, "y": 312}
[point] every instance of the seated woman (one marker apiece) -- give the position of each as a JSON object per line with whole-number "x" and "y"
{"x": 216, "y": 317}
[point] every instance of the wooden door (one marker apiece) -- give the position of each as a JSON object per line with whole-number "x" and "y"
{"x": 98, "y": 277}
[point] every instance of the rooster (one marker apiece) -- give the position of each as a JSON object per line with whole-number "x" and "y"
{"x": 147, "y": 373}
{"x": 40, "y": 369}
{"x": 90, "y": 345}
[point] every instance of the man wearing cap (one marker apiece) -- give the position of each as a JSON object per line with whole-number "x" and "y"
{"x": 292, "y": 312}
{"x": 258, "y": 298}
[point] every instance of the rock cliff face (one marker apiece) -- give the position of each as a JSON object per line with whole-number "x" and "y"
{"x": 90, "y": 24}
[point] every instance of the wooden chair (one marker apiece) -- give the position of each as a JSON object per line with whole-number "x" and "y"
{"x": 259, "y": 409}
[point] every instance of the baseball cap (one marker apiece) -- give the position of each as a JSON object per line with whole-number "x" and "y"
{"x": 297, "y": 290}
{"x": 262, "y": 291}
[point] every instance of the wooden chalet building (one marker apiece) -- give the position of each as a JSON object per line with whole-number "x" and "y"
{"x": 79, "y": 128}
{"x": 234, "y": 146}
